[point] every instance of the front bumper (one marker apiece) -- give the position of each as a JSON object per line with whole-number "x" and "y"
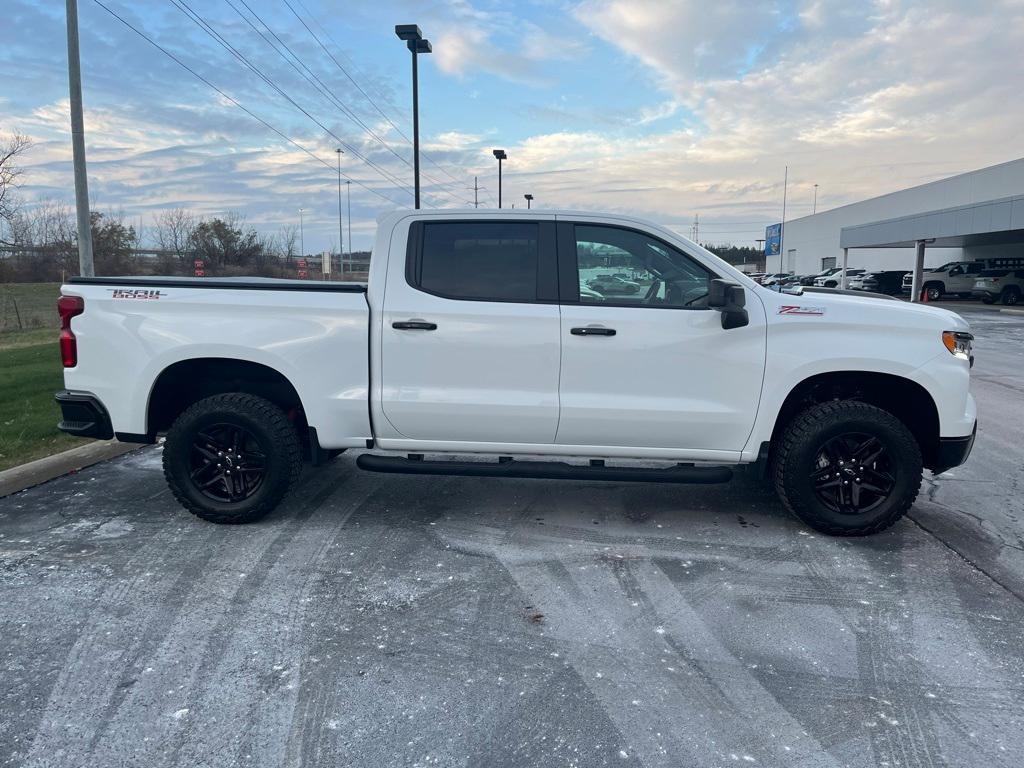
{"x": 83, "y": 415}
{"x": 953, "y": 451}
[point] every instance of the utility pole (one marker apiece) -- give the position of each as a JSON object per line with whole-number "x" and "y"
{"x": 302, "y": 236}
{"x": 814, "y": 210}
{"x": 476, "y": 194}
{"x": 348, "y": 189}
{"x": 341, "y": 236}
{"x": 782, "y": 228}
{"x": 85, "y": 262}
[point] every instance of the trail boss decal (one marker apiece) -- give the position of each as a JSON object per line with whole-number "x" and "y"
{"x": 134, "y": 293}
{"x": 793, "y": 309}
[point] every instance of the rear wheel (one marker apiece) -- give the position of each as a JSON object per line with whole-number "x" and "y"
{"x": 1011, "y": 295}
{"x": 847, "y": 468}
{"x": 231, "y": 458}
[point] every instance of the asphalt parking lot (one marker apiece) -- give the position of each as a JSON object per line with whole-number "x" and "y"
{"x": 387, "y": 620}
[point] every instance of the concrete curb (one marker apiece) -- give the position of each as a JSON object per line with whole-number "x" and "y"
{"x": 43, "y": 470}
{"x": 1013, "y": 311}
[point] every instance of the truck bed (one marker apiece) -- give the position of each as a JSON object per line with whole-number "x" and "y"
{"x": 135, "y": 331}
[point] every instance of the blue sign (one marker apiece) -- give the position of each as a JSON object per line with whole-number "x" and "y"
{"x": 772, "y": 239}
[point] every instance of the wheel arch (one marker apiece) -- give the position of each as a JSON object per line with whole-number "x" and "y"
{"x": 185, "y": 382}
{"x": 905, "y": 399}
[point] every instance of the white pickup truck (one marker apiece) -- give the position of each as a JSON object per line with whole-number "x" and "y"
{"x": 482, "y": 344}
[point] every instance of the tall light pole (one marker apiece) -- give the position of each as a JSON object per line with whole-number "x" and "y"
{"x": 500, "y": 154}
{"x": 341, "y": 232}
{"x": 529, "y": 199}
{"x": 302, "y": 236}
{"x": 814, "y": 210}
{"x": 85, "y": 263}
{"x": 416, "y": 44}
{"x": 348, "y": 189}
{"x": 782, "y": 227}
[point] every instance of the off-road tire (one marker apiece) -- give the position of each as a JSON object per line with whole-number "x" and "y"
{"x": 794, "y": 459}
{"x": 266, "y": 423}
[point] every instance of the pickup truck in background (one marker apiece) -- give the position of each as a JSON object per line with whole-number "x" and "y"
{"x": 955, "y": 278}
{"x": 483, "y": 345}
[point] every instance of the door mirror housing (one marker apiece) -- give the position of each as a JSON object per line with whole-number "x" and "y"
{"x": 730, "y": 299}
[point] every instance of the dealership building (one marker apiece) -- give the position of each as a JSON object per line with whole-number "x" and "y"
{"x": 972, "y": 216}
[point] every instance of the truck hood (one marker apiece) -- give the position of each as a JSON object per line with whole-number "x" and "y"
{"x": 869, "y": 310}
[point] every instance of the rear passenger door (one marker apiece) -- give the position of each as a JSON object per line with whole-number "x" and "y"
{"x": 470, "y": 337}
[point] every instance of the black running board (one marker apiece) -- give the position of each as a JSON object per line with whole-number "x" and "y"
{"x": 546, "y": 470}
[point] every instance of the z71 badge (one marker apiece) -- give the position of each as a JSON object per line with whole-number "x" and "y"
{"x": 793, "y": 309}
{"x": 134, "y": 293}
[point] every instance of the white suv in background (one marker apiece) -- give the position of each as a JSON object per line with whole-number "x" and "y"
{"x": 832, "y": 281}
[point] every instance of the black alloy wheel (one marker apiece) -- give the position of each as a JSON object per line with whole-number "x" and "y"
{"x": 852, "y": 474}
{"x": 227, "y": 463}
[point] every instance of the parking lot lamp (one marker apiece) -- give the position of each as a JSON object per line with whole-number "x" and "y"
{"x": 529, "y": 199}
{"x": 500, "y": 155}
{"x": 416, "y": 44}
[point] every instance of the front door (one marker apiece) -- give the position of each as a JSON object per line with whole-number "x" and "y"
{"x": 470, "y": 336}
{"x": 645, "y": 362}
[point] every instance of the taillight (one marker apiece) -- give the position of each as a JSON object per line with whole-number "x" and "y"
{"x": 68, "y": 307}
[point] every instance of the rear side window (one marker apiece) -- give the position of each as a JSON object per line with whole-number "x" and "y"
{"x": 489, "y": 260}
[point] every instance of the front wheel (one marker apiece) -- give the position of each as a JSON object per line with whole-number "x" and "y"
{"x": 231, "y": 458}
{"x": 847, "y": 468}
{"x": 934, "y": 292}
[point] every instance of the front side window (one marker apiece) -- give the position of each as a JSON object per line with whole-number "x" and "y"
{"x": 620, "y": 266}
{"x": 488, "y": 260}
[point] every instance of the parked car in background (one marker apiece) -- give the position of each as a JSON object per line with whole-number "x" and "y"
{"x": 888, "y": 281}
{"x": 775, "y": 277}
{"x": 613, "y": 285}
{"x": 954, "y": 278}
{"x": 809, "y": 279}
{"x": 1003, "y": 285}
{"x": 832, "y": 281}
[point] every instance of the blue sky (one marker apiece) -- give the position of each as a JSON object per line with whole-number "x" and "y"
{"x": 663, "y": 109}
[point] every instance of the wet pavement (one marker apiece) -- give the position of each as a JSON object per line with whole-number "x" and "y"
{"x": 381, "y": 620}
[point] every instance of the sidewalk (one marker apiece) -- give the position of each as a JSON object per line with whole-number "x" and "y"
{"x": 42, "y": 470}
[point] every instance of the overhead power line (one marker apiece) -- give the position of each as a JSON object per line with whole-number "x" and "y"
{"x": 357, "y": 85}
{"x": 236, "y": 103}
{"x": 186, "y": 9}
{"x": 296, "y": 63}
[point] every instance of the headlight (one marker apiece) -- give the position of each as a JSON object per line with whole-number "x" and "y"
{"x": 958, "y": 343}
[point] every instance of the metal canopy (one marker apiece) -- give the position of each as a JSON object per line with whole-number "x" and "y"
{"x": 994, "y": 222}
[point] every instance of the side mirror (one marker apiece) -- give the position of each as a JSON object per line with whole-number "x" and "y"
{"x": 730, "y": 299}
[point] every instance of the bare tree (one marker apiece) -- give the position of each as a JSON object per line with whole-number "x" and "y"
{"x": 10, "y": 150}
{"x": 174, "y": 230}
{"x": 288, "y": 243}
